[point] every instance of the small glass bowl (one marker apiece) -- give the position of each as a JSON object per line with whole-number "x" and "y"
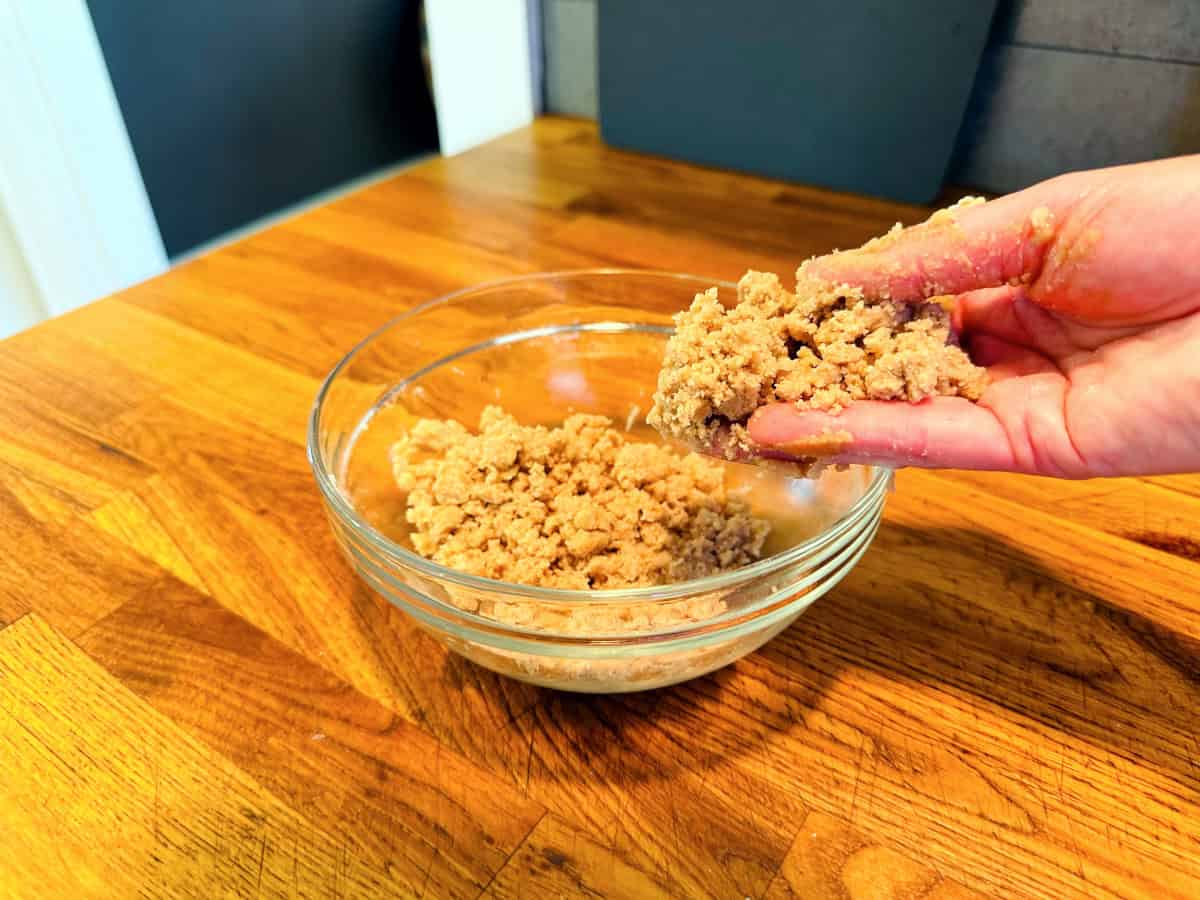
{"x": 543, "y": 347}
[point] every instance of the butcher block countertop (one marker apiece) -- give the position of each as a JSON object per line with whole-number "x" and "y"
{"x": 197, "y": 699}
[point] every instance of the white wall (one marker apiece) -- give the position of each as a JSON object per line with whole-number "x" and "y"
{"x": 77, "y": 221}
{"x": 20, "y": 303}
{"x": 483, "y": 74}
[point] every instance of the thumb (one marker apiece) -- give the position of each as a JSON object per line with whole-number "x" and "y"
{"x": 942, "y": 432}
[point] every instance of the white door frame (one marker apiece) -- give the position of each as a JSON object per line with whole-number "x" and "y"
{"x": 484, "y": 55}
{"x": 75, "y": 220}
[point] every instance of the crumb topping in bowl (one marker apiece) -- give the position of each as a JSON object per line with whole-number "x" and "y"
{"x": 578, "y": 506}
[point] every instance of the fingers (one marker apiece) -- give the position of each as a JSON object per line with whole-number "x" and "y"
{"x": 1004, "y": 359}
{"x": 1008, "y": 314}
{"x": 943, "y": 432}
{"x": 994, "y": 323}
{"x": 961, "y": 249}
{"x": 991, "y": 311}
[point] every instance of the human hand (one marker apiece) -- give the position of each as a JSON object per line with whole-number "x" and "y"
{"x": 1081, "y": 295}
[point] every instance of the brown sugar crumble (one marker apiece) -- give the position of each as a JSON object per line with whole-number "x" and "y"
{"x": 579, "y": 506}
{"x": 819, "y": 346}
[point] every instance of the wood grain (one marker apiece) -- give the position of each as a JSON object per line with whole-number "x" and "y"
{"x": 197, "y": 698}
{"x": 1141, "y": 510}
{"x": 831, "y": 861}
{"x": 70, "y": 573}
{"x": 561, "y": 860}
{"x": 374, "y": 781}
{"x": 100, "y": 796}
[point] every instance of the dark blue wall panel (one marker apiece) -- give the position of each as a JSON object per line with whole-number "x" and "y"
{"x": 858, "y": 95}
{"x": 236, "y": 109}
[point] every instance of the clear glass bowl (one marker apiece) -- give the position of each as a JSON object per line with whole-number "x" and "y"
{"x": 543, "y": 347}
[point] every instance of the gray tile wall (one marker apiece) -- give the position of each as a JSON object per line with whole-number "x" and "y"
{"x": 569, "y": 37}
{"x": 1037, "y": 113}
{"x": 1076, "y": 84}
{"x": 1065, "y": 84}
{"x": 1157, "y": 29}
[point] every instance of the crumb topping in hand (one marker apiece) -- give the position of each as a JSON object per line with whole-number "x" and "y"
{"x": 820, "y": 346}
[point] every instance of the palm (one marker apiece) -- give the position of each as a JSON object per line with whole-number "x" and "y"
{"x": 1076, "y": 400}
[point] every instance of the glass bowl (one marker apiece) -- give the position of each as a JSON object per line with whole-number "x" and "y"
{"x": 543, "y": 347}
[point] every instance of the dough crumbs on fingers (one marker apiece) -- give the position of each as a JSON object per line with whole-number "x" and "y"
{"x": 817, "y": 446}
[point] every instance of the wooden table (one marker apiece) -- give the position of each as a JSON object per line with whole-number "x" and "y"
{"x": 197, "y": 699}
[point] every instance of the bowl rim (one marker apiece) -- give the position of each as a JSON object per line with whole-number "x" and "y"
{"x": 393, "y": 552}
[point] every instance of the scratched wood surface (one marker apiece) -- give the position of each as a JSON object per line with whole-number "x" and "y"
{"x": 197, "y": 699}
